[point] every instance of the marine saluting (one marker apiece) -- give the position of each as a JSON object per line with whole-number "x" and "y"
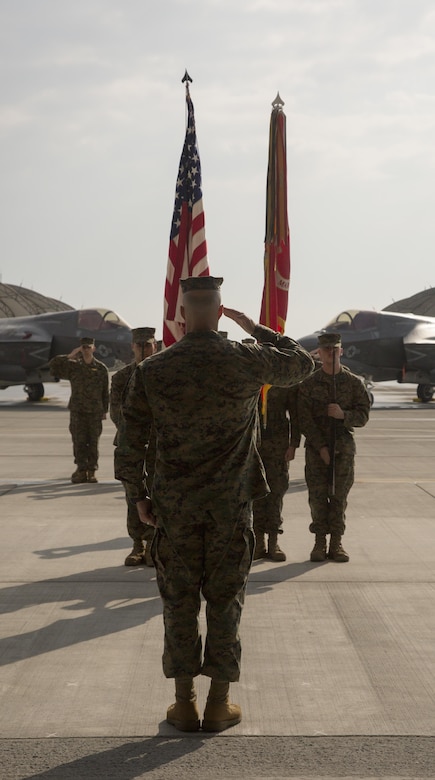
{"x": 88, "y": 404}
{"x": 201, "y": 396}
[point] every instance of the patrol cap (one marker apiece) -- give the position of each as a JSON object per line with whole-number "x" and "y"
{"x": 86, "y": 340}
{"x": 329, "y": 340}
{"x": 201, "y": 283}
{"x": 143, "y": 335}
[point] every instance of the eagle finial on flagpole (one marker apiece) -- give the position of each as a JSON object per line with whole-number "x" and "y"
{"x": 278, "y": 103}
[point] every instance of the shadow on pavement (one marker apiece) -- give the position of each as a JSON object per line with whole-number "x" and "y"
{"x": 282, "y": 572}
{"x": 45, "y": 491}
{"x": 297, "y": 486}
{"x": 45, "y": 405}
{"x": 53, "y": 553}
{"x": 124, "y": 762}
{"x": 110, "y": 610}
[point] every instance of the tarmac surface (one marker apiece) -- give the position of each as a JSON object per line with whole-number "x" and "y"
{"x": 338, "y": 671}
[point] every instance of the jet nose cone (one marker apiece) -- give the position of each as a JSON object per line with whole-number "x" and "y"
{"x": 309, "y": 342}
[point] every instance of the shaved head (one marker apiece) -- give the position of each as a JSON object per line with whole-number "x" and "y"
{"x": 202, "y": 298}
{"x": 201, "y": 309}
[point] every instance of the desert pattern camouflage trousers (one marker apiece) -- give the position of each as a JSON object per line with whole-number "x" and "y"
{"x": 328, "y": 512}
{"x": 268, "y": 510}
{"x": 208, "y": 552}
{"x": 85, "y": 432}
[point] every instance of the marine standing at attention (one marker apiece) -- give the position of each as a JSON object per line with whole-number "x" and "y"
{"x": 201, "y": 395}
{"x": 280, "y": 438}
{"x": 88, "y": 404}
{"x": 331, "y": 403}
{"x": 143, "y": 345}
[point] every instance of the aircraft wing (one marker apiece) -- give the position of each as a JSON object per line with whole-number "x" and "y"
{"x": 27, "y": 344}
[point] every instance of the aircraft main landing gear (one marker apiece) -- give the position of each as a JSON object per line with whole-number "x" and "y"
{"x": 425, "y": 393}
{"x": 34, "y": 392}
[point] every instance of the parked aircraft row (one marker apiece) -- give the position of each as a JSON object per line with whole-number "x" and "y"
{"x": 27, "y": 344}
{"x": 379, "y": 346}
{"x": 383, "y": 346}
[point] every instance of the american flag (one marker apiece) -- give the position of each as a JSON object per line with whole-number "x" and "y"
{"x": 277, "y": 239}
{"x": 187, "y": 244}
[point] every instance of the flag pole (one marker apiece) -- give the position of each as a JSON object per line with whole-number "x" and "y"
{"x": 277, "y": 103}
{"x": 186, "y": 78}
{"x": 277, "y": 238}
{"x": 187, "y": 255}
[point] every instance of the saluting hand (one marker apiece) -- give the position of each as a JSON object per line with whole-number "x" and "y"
{"x": 74, "y": 353}
{"x": 241, "y": 319}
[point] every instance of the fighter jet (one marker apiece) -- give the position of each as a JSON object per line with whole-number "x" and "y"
{"x": 28, "y": 343}
{"x": 383, "y": 346}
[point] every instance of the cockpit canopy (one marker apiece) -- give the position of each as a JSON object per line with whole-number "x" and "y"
{"x": 354, "y": 320}
{"x": 99, "y": 319}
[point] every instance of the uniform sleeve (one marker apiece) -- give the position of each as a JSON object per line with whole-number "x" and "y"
{"x": 308, "y": 427}
{"x": 116, "y": 390}
{"x": 358, "y": 414}
{"x": 61, "y": 366}
{"x": 133, "y": 436}
{"x": 281, "y": 360}
{"x": 105, "y": 394}
{"x": 292, "y": 408}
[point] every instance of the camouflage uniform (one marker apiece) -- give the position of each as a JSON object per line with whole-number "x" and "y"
{"x": 315, "y": 393}
{"x": 88, "y": 404}
{"x": 202, "y": 396}
{"x": 136, "y": 530}
{"x": 275, "y": 440}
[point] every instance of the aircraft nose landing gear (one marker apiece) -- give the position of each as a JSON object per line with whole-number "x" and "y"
{"x": 34, "y": 392}
{"x": 425, "y": 393}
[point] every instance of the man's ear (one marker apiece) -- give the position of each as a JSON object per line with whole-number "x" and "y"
{"x": 220, "y": 311}
{"x": 182, "y": 312}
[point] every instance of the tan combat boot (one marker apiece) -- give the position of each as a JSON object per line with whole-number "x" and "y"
{"x": 184, "y": 713}
{"x": 318, "y": 553}
{"x": 219, "y": 714}
{"x": 92, "y": 477}
{"x": 336, "y": 552}
{"x": 136, "y": 557}
{"x": 260, "y": 547}
{"x": 79, "y": 476}
{"x": 274, "y": 552}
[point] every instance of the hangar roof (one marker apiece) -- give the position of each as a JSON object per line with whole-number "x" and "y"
{"x": 18, "y": 301}
{"x": 422, "y": 303}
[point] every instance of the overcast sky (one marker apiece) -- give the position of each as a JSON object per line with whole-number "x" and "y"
{"x": 92, "y": 122}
